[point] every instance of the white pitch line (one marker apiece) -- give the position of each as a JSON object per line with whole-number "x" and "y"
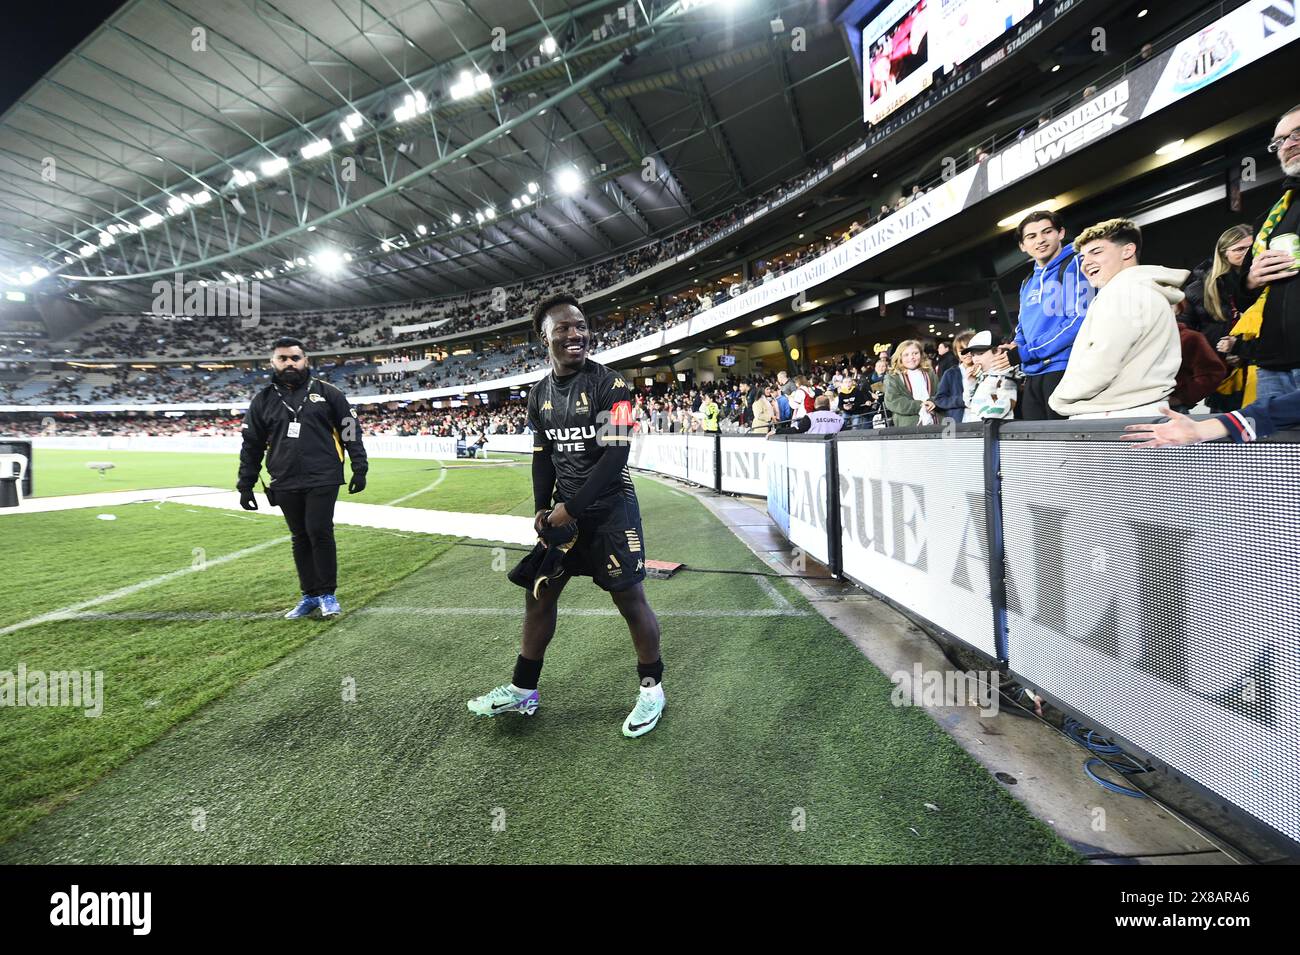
{"x": 67, "y": 502}
{"x": 574, "y": 612}
{"x": 65, "y": 612}
{"x": 418, "y": 611}
{"x": 424, "y": 490}
{"x": 770, "y": 589}
{"x": 177, "y": 615}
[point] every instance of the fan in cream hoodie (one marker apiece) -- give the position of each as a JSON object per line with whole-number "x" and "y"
{"x": 1128, "y": 350}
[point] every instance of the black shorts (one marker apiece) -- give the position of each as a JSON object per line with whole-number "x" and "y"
{"x": 611, "y": 547}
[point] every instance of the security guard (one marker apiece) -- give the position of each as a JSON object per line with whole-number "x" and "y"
{"x": 302, "y": 424}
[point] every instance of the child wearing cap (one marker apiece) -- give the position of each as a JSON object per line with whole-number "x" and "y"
{"x": 992, "y": 392}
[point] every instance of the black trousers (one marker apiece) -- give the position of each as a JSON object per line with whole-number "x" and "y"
{"x": 1034, "y": 393}
{"x": 310, "y": 516}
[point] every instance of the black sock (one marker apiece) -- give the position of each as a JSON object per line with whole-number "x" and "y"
{"x": 526, "y": 673}
{"x": 651, "y": 674}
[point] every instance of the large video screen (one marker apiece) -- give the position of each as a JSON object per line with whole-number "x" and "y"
{"x": 909, "y": 42}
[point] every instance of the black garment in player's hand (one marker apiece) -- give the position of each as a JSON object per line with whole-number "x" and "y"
{"x": 556, "y": 536}
{"x": 358, "y": 483}
{"x": 247, "y": 501}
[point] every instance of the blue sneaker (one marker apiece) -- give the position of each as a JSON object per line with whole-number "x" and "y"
{"x": 329, "y": 606}
{"x": 304, "y": 608}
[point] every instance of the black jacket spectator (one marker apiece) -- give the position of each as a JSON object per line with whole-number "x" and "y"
{"x": 1278, "y": 344}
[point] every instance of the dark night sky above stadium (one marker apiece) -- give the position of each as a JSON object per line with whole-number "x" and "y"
{"x": 38, "y": 34}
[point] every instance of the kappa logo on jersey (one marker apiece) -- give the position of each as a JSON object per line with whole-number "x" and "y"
{"x": 315, "y": 397}
{"x": 546, "y": 405}
{"x": 620, "y": 383}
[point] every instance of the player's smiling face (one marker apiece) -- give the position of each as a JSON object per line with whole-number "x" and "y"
{"x": 567, "y": 338}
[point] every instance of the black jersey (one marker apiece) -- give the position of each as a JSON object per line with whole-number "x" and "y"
{"x": 574, "y": 419}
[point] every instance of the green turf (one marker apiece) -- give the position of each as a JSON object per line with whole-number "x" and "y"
{"x": 480, "y": 486}
{"x": 156, "y": 673}
{"x": 145, "y": 541}
{"x": 766, "y": 717}
{"x": 58, "y": 472}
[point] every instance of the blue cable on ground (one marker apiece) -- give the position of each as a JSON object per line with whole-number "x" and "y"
{"x": 1090, "y": 740}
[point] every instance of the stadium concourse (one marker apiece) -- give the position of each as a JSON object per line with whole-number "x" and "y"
{"x": 799, "y": 382}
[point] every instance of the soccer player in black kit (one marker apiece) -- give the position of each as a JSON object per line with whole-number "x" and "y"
{"x": 581, "y": 418}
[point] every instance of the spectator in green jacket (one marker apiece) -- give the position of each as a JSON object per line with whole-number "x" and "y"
{"x": 910, "y": 387}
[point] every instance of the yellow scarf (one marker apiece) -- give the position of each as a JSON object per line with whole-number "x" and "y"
{"x": 1252, "y": 319}
{"x": 1240, "y": 379}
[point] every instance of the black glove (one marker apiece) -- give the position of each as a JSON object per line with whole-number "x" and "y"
{"x": 358, "y": 483}
{"x": 247, "y": 501}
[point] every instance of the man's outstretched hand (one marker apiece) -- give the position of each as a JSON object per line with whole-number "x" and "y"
{"x": 1178, "y": 430}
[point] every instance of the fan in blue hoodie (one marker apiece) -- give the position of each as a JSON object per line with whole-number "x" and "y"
{"x": 1053, "y": 301}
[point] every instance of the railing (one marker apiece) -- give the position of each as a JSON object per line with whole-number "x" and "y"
{"x": 1148, "y": 593}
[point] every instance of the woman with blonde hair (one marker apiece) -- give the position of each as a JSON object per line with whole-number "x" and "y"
{"x": 1211, "y": 308}
{"x": 910, "y": 387}
{"x": 1211, "y": 305}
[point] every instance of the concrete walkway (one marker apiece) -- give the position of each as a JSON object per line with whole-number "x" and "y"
{"x": 489, "y": 527}
{"x": 1033, "y": 761}
{"x": 70, "y": 502}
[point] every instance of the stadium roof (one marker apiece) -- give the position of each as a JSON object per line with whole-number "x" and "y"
{"x": 171, "y": 140}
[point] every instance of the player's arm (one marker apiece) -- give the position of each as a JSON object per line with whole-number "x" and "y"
{"x": 253, "y": 431}
{"x": 543, "y": 465}
{"x": 614, "y": 434}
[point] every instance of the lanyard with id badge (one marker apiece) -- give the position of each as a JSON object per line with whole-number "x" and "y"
{"x": 295, "y": 426}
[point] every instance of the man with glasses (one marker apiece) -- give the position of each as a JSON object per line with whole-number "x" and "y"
{"x": 1269, "y": 328}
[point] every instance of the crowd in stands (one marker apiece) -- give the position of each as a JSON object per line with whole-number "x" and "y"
{"x": 1100, "y": 334}
{"x": 1150, "y": 337}
{"x": 108, "y": 425}
{"x": 411, "y": 420}
{"x": 139, "y": 336}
